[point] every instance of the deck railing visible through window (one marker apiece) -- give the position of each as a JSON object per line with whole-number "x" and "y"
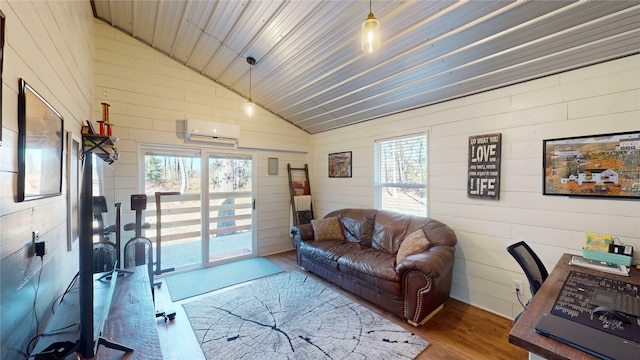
{"x": 181, "y": 242}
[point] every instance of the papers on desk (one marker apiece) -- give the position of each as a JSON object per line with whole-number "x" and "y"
{"x": 599, "y": 265}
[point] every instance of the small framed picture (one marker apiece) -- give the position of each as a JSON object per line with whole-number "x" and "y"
{"x": 273, "y": 166}
{"x": 340, "y": 165}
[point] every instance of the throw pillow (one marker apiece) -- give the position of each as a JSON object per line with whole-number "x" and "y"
{"x": 327, "y": 229}
{"x": 412, "y": 244}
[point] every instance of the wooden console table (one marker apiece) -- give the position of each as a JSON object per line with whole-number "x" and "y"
{"x": 131, "y": 321}
{"x": 523, "y": 333}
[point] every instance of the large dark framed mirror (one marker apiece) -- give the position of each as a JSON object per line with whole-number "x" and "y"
{"x": 1, "y": 62}
{"x": 40, "y": 146}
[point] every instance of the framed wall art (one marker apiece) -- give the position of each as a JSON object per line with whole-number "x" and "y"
{"x": 605, "y": 165}
{"x": 1, "y": 62}
{"x": 340, "y": 165}
{"x": 74, "y": 164}
{"x": 40, "y": 146}
{"x": 273, "y": 166}
{"x": 483, "y": 169}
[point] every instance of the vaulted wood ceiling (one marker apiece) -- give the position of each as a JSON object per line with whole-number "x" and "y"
{"x": 311, "y": 72}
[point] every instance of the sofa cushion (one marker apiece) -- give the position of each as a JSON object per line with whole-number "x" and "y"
{"x": 327, "y": 229}
{"x": 369, "y": 263}
{"x": 357, "y": 224}
{"x": 328, "y": 250}
{"x": 390, "y": 228}
{"x": 412, "y": 244}
{"x": 374, "y": 271}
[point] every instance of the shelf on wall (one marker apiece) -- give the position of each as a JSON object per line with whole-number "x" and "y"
{"x": 101, "y": 145}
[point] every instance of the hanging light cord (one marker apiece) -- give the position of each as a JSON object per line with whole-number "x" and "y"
{"x": 251, "y": 61}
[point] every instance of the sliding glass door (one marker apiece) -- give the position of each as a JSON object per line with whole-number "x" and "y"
{"x": 230, "y": 206}
{"x": 195, "y": 225}
{"x": 172, "y": 183}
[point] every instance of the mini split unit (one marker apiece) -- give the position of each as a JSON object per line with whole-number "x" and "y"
{"x": 212, "y": 132}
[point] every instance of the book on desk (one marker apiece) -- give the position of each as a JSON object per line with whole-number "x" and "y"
{"x": 603, "y": 266}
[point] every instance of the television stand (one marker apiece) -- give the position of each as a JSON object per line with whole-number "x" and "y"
{"x": 131, "y": 321}
{"x": 113, "y": 345}
{"x": 132, "y": 318}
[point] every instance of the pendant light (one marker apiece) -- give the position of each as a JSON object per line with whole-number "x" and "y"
{"x": 370, "y": 33}
{"x": 250, "y": 105}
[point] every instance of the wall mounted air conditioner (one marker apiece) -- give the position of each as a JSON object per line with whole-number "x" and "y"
{"x": 212, "y": 132}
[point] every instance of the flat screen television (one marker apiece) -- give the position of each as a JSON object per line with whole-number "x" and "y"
{"x": 92, "y": 321}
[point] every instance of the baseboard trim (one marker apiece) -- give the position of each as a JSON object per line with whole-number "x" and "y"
{"x": 432, "y": 314}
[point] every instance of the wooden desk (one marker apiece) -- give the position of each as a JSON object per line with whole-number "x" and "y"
{"x": 523, "y": 333}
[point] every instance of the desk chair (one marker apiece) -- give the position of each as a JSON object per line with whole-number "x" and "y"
{"x": 531, "y": 265}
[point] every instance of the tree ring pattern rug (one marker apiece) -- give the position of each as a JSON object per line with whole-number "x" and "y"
{"x": 291, "y": 316}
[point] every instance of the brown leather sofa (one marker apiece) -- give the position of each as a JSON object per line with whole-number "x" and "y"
{"x": 364, "y": 263}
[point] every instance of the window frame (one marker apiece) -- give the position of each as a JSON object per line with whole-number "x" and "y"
{"x": 380, "y": 186}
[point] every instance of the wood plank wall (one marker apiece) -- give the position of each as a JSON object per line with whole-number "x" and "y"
{"x": 599, "y": 99}
{"x": 50, "y": 45}
{"x": 151, "y": 95}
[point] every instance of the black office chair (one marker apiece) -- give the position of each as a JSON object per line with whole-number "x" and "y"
{"x": 531, "y": 265}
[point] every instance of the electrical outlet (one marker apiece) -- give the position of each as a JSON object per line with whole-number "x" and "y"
{"x": 517, "y": 286}
{"x": 40, "y": 248}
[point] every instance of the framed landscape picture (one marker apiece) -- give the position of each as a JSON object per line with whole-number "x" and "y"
{"x": 340, "y": 165}
{"x": 1, "y": 62}
{"x": 605, "y": 165}
{"x": 40, "y": 146}
{"x": 74, "y": 164}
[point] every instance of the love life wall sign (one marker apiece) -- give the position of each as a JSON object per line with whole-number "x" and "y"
{"x": 484, "y": 166}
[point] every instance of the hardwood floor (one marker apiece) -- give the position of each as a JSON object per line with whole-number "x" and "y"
{"x": 458, "y": 331}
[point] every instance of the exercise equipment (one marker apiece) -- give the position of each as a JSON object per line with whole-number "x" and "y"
{"x": 167, "y": 315}
{"x": 159, "y": 195}
{"x": 105, "y": 253}
{"x": 139, "y": 249}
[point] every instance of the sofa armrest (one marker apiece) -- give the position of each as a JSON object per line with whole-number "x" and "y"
{"x": 427, "y": 280}
{"x": 433, "y": 262}
{"x": 302, "y": 232}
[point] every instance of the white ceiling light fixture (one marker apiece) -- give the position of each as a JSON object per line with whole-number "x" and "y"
{"x": 250, "y": 105}
{"x": 370, "y": 33}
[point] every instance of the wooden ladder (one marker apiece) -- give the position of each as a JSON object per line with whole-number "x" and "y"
{"x": 299, "y": 217}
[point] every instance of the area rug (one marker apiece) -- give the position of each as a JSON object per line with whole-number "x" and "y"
{"x": 192, "y": 283}
{"x": 291, "y": 316}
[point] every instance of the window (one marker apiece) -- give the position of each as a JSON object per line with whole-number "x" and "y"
{"x": 401, "y": 174}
